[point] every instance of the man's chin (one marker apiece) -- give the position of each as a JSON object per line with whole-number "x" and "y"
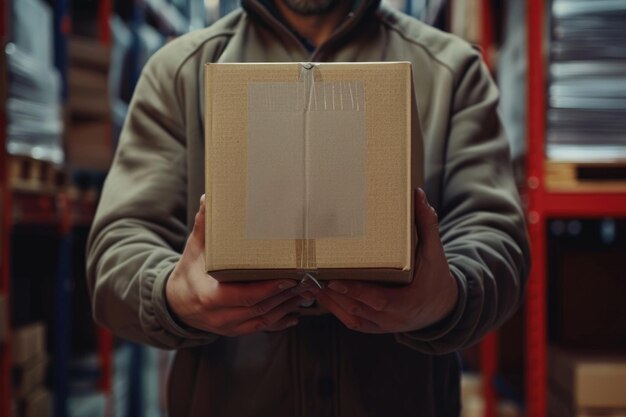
{"x": 311, "y": 7}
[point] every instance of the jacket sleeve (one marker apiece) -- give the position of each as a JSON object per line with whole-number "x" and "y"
{"x": 140, "y": 228}
{"x": 482, "y": 224}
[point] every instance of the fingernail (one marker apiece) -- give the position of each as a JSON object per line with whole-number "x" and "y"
{"x": 292, "y": 323}
{"x": 286, "y": 284}
{"x": 423, "y": 196}
{"x": 340, "y": 288}
{"x": 202, "y": 198}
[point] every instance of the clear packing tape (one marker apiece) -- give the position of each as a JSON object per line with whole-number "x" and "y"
{"x": 306, "y": 162}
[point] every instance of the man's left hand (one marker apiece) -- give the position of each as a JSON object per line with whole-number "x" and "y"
{"x": 375, "y": 308}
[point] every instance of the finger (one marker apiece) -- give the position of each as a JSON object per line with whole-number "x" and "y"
{"x": 357, "y": 308}
{"x": 426, "y": 221}
{"x": 286, "y": 322}
{"x": 236, "y": 315}
{"x": 198, "y": 231}
{"x": 376, "y": 296}
{"x": 248, "y": 294}
{"x": 352, "y": 322}
{"x": 268, "y": 320}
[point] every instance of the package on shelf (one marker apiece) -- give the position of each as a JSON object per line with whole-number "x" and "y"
{"x": 586, "y": 383}
{"x": 587, "y": 82}
{"x": 34, "y": 121}
{"x": 28, "y": 342}
{"x": 317, "y": 173}
{"x": 29, "y": 375}
{"x": 89, "y": 145}
{"x": 88, "y": 138}
{"x": 558, "y": 407}
{"x": 37, "y": 404}
{"x": 88, "y": 79}
{"x": 32, "y": 29}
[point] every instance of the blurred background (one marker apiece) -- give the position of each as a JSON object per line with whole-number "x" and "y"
{"x": 67, "y": 73}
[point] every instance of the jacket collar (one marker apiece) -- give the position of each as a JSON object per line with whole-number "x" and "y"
{"x": 264, "y": 12}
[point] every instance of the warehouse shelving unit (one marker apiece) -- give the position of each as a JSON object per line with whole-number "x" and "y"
{"x": 5, "y": 212}
{"x": 57, "y": 208}
{"x": 546, "y": 200}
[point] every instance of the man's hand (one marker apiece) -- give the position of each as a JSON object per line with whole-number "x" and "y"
{"x": 227, "y": 309}
{"x": 374, "y": 308}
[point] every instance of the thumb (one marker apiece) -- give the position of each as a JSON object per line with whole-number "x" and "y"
{"x": 197, "y": 234}
{"x": 426, "y": 220}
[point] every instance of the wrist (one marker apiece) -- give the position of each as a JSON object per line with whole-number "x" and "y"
{"x": 169, "y": 294}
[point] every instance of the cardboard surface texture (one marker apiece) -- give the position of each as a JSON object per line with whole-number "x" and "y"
{"x": 588, "y": 381}
{"x": 311, "y": 168}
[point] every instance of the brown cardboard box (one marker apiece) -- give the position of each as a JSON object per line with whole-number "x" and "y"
{"x": 28, "y": 342}
{"x": 88, "y": 79}
{"x": 311, "y": 167}
{"x": 588, "y": 381}
{"x": 89, "y": 145}
{"x": 38, "y": 403}
{"x": 29, "y": 375}
{"x": 559, "y": 407}
{"x": 89, "y": 53}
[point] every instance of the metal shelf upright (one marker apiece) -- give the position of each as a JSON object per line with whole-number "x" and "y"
{"x": 544, "y": 203}
{"x": 5, "y": 220}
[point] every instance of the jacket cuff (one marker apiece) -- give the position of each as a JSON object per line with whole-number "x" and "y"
{"x": 440, "y": 329}
{"x": 165, "y": 318}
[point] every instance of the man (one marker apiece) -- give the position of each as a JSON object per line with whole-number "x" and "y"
{"x": 366, "y": 350}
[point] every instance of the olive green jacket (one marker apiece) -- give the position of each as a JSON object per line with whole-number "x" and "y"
{"x": 318, "y": 368}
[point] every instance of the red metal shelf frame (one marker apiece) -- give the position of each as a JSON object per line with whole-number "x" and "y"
{"x": 542, "y": 205}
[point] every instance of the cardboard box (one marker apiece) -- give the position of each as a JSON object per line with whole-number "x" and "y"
{"x": 311, "y": 167}
{"x": 559, "y": 407}
{"x": 28, "y": 342}
{"x": 90, "y": 145}
{"x": 38, "y": 403}
{"x": 587, "y": 381}
{"x": 89, "y": 53}
{"x": 29, "y": 375}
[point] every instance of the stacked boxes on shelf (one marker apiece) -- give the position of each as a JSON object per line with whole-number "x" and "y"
{"x": 89, "y": 134}
{"x": 35, "y": 125}
{"x": 586, "y": 384}
{"x": 587, "y": 90}
{"x": 30, "y": 363}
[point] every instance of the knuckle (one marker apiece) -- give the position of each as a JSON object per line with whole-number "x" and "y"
{"x": 204, "y": 299}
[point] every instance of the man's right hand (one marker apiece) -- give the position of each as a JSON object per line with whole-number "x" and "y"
{"x": 228, "y": 309}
